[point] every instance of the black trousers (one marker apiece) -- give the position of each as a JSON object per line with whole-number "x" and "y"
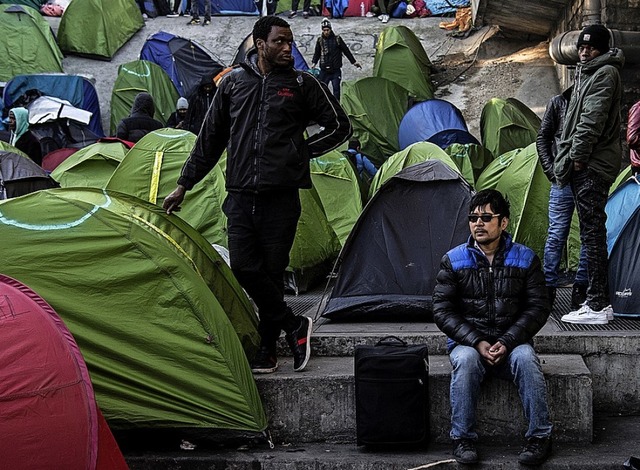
{"x": 590, "y": 192}
{"x": 261, "y": 231}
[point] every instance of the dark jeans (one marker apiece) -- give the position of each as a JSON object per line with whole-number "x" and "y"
{"x": 332, "y": 77}
{"x": 590, "y": 192}
{"x": 305, "y": 5}
{"x": 261, "y": 230}
{"x": 197, "y": 7}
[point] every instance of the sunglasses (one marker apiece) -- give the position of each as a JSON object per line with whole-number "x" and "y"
{"x": 486, "y": 218}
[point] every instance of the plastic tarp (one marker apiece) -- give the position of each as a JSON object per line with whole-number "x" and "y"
{"x": 91, "y": 166}
{"x": 142, "y": 76}
{"x": 48, "y": 406}
{"x": 436, "y": 121}
{"x": 623, "y": 231}
{"x": 19, "y": 175}
{"x": 154, "y": 309}
{"x": 388, "y": 267}
{"x": 98, "y": 28}
{"x": 375, "y": 107}
{"x": 401, "y": 58}
{"x": 412, "y": 155}
{"x": 185, "y": 61}
{"x": 75, "y": 89}
{"x": 507, "y": 125}
{"x": 335, "y": 180}
{"x": 27, "y": 44}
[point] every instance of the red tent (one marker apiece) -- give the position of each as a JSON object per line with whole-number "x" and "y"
{"x": 48, "y": 413}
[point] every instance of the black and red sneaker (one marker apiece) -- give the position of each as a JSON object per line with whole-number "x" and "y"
{"x": 299, "y": 341}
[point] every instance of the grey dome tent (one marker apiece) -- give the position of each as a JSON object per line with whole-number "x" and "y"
{"x": 388, "y": 266}
{"x": 19, "y": 175}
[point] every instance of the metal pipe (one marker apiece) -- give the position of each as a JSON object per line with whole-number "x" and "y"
{"x": 563, "y": 50}
{"x": 592, "y": 13}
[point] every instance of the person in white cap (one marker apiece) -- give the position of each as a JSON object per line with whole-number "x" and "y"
{"x": 177, "y": 117}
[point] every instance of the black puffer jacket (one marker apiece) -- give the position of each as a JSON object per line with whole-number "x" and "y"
{"x": 329, "y": 52}
{"x": 140, "y": 122}
{"x": 263, "y": 120}
{"x": 504, "y": 302}
{"x": 550, "y": 132}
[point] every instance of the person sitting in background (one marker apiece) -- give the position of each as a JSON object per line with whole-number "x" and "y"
{"x": 20, "y": 137}
{"x": 140, "y": 122}
{"x": 633, "y": 137}
{"x": 177, "y": 117}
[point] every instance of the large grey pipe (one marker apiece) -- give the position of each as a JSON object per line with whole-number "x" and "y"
{"x": 563, "y": 48}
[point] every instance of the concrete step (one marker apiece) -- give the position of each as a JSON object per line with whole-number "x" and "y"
{"x": 318, "y": 404}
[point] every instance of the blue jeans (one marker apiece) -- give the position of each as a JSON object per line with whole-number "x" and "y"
{"x": 332, "y": 77}
{"x": 561, "y": 205}
{"x": 522, "y": 366}
{"x": 196, "y": 8}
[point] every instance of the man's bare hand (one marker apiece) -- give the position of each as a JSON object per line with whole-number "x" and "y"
{"x": 174, "y": 199}
{"x": 492, "y": 354}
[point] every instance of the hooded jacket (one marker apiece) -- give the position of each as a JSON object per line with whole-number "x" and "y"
{"x": 261, "y": 121}
{"x": 633, "y": 134}
{"x": 550, "y": 132}
{"x": 140, "y": 122}
{"x": 329, "y": 52}
{"x": 199, "y": 103}
{"x": 505, "y": 301}
{"x": 591, "y": 131}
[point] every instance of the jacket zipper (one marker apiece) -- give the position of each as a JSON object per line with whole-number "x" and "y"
{"x": 256, "y": 138}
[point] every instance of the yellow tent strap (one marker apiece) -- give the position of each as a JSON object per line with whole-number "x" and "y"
{"x": 155, "y": 177}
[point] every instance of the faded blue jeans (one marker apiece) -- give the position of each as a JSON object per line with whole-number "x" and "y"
{"x": 561, "y": 206}
{"x": 522, "y": 367}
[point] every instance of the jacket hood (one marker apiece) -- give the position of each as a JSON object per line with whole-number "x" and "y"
{"x": 143, "y": 104}
{"x": 614, "y": 57}
{"x": 21, "y": 116}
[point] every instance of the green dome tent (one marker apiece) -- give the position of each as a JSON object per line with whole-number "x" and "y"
{"x": 401, "y": 58}
{"x": 91, "y": 166}
{"x": 412, "y": 155}
{"x": 471, "y": 159}
{"x": 507, "y": 125}
{"x": 27, "y": 44}
{"x": 98, "y": 28}
{"x": 5, "y": 146}
{"x": 142, "y": 76}
{"x": 339, "y": 190}
{"x": 375, "y": 107}
{"x": 150, "y": 172}
{"x": 152, "y": 306}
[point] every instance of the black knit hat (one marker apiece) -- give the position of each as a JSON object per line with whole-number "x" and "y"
{"x": 596, "y": 36}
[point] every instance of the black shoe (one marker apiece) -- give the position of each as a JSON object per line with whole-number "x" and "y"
{"x": 265, "y": 361}
{"x": 299, "y": 340}
{"x": 193, "y": 21}
{"x": 578, "y": 295}
{"x": 206, "y": 22}
{"x": 293, "y": 14}
{"x": 464, "y": 450}
{"x": 536, "y": 451}
{"x": 551, "y": 294}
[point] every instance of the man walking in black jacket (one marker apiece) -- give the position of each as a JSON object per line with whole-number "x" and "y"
{"x": 329, "y": 50}
{"x": 259, "y": 114}
{"x": 490, "y": 300}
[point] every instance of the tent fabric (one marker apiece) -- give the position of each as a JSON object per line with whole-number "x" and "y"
{"x": 436, "y": 121}
{"x": 401, "y": 58}
{"x": 19, "y": 175}
{"x": 299, "y": 62}
{"x": 48, "y": 405}
{"x": 90, "y": 167}
{"x": 142, "y": 76}
{"x": 27, "y": 44}
{"x": 412, "y": 155}
{"x": 234, "y": 7}
{"x": 441, "y": 7}
{"x": 623, "y": 231}
{"x": 97, "y": 28}
{"x": 337, "y": 185}
{"x": 388, "y": 266}
{"x": 375, "y": 107}
{"x": 507, "y": 125}
{"x": 51, "y": 160}
{"x": 6, "y": 146}
{"x": 185, "y": 61}
{"x": 156, "y": 312}
{"x": 150, "y": 171}
{"x": 471, "y": 159}
{"x": 75, "y": 89}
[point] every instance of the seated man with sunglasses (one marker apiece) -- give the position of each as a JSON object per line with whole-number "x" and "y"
{"x": 490, "y": 300}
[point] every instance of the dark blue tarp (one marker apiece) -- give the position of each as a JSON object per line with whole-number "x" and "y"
{"x": 441, "y": 7}
{"x": 336, "y": 7}
{"x": 621, "y": 205}
{"x": 185, "y": 61}
{"x": 436, "y": 121}
{"x": 233, "y": 7}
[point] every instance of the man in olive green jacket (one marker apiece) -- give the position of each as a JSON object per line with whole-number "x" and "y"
{"x": 589, "y": 159}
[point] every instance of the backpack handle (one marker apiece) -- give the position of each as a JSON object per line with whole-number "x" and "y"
{"x": 391, "y": 341}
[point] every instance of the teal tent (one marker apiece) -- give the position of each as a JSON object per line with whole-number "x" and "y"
{"x": 98, "y": 28}
{"x": 156, "y": 313}
{"x": 27, "y": 44}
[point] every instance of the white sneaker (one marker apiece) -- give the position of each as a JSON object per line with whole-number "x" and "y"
{"x": 385, "y": 18}
{"x": 587, "y": 316}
